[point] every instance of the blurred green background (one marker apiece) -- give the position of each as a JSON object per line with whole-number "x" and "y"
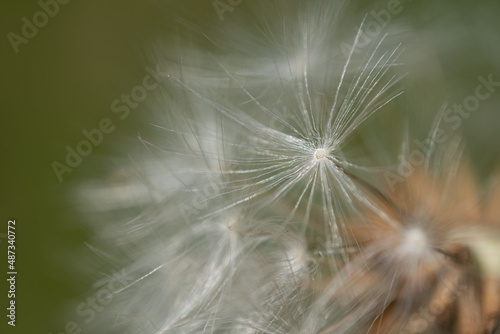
{"x": 62, "y": 81}
{"x": 65, "y": 78}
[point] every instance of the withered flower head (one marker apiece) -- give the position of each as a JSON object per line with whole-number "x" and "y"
{"x": 420, "y": 267}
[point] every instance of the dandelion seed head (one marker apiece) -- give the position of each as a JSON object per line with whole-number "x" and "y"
{"x": 265, "y": 145}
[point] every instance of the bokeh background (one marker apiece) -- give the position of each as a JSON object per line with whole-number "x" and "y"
{"x": 92, "y": 51}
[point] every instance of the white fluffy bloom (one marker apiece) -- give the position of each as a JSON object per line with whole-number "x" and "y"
{"x": 286, "y": 122}
{"x": 250, "y": 216}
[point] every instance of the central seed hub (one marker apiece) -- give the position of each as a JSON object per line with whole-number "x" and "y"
{"x": 320, "y": 154}
{"x": 414, "y": 242}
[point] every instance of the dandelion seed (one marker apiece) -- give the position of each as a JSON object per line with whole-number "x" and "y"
{"x": 271, "y": 154}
